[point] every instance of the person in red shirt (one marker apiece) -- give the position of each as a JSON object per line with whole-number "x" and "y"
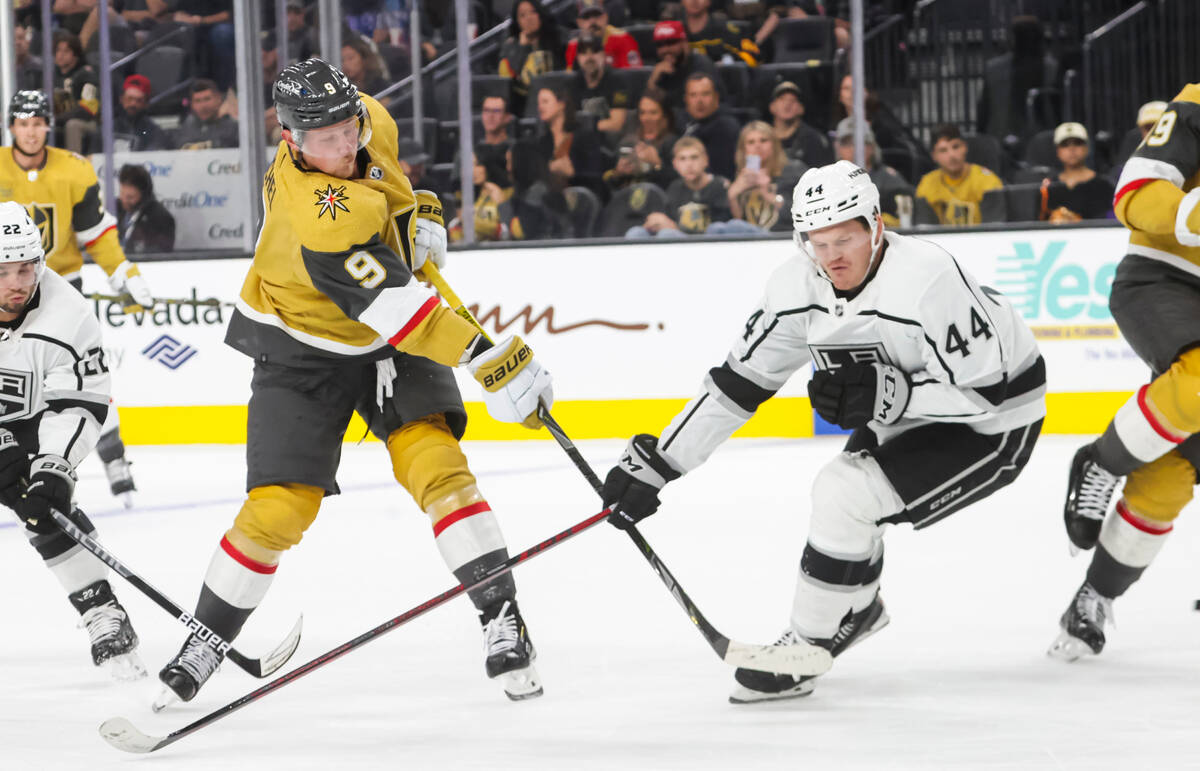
{"x": 619, "y": 46}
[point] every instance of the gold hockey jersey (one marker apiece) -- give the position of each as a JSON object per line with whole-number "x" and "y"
{"x": 330, "y": 277}
{"x": 1162, "y": 175}
{"x": 63, "y": 198}
{"x": 956, "y": 202}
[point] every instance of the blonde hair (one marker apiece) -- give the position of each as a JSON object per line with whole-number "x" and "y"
{"x": 774, "y": 163}
{"x": 686, "y": 143}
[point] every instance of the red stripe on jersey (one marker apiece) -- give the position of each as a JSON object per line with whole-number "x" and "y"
{"x": 1129, "y": 188}
{"x": 416, "y": 319}
{"x": 456, "y": 516}
{"x": 1140, "y": 523}
{"x": 1159, "y": 428}
{"x": 244, "y": 561}
{"x": 97, "y": 238}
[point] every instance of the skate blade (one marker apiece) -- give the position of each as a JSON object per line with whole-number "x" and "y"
{"x": 126, "y": 667}
{"x": 1068, "y": 648}
{"x": 164, "y": 700}
{"x": 521, "y": 684}
{"x": 743, "y": 695}
{"x": 126, "y": 499}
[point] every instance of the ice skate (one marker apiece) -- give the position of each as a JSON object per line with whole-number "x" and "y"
{"x": 184, "y": 675}
{"x": 114, "y": 643}
{"x": 510, "y": 652}
{"x": 120, "y": 480}
{"x": 1089, "y": 489}
{"x": 1082, "y": 625}
{"x": 755, "y": 686}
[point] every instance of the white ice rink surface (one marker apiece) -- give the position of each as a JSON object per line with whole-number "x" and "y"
{"x": 958, "y": 680}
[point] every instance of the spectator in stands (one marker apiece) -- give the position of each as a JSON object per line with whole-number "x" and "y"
{"x": 1009, "y": 77}
{"x": 620, "y": 48}
{"x": 764, "y": 181}
{"x": 890, "y": 133}
{"x": 596, "y": 92}
{"x": 800, "y": 140}
{"x": 212, "y": 23}
{"x": 490, "y": 198}
{"x": 29, "y": 67}
{"x": 204, "y": 128}
{"x": 1147, "y": 116}
{"x": 118, "y": 29}
{"x": 271, "y": 128}
{"x": 302, "y": 41}
{"x": 803, "y": 9}
{"x": 572, "y": 155}
{"x": 76, "y": 92}
{"x": 676, "y": 62}
{"x": 492, "y": 150}
{"x": 534, "y": 50}
{"x": 146, "y": 15}
{"x": 143, "y": 223}
{"x": 713, "y": 126}
{"x": 536, "y": 210}
{"x": 895, "y": 192}
{"x": 644, "y": 152}
{"x": 1085, "y": 195}
{"x": 696, "y": 202}
{"x": 132, "y": 120}
{"x": 718, "y": 39}
{"x": 71, "y": 14}
{"x": 362, "y": 66}
{"x": 955, "y": 188}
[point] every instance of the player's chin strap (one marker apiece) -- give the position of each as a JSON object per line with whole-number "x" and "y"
{"x": 876, "y": 244}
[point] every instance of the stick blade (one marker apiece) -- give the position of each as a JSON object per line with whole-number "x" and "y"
{"x": 273, "y": 661}
{"x": 795, "y": 659}
{"x": 123, "y": 735}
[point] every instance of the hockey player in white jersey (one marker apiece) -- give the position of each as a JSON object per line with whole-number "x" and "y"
{"x": 939, "y": 378}
{"x": 54, "y": 395}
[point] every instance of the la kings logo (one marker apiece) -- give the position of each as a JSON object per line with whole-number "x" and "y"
{"x": 834, "y": 356}
{"x": 15, "y": 393}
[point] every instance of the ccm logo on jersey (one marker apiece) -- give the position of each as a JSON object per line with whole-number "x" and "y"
{"x": 514, "y": 363}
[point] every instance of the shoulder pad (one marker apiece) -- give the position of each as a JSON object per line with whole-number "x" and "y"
{"x": 332, "y": 215}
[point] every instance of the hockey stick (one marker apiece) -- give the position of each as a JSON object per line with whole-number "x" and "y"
{"x": 793, "y": 659}
{"x": 263, "y": 667}
{"x": 123, "y": 735}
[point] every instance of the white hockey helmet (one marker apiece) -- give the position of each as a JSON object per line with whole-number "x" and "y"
{"x": 20, "y": 238}
{"x": 828, "y": 195}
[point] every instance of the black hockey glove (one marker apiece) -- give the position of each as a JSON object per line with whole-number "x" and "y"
{"x": 51, "y": 484}
{"x": 14, "y": 467}
{"x": 855, "y": 394}
{"x": 631, "y": 487}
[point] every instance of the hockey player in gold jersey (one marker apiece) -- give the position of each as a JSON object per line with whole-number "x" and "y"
{"x": 60, "y": 191}
{"x": 336, "y": 323}
{"x": 1152, "y": 439}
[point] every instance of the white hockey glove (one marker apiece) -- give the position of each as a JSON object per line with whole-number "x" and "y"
{"x": 632, "y": 486}
{"x": 855, "y": 394}
{"x": 513, "y": 382}
{"x": 127, "y": 279}
{"x": 429, "y": 242}
{"x": 1188, "y": 208}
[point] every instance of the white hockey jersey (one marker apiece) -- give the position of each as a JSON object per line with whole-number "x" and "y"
{"x": 970, "y": 356}
{"x": 54, "y": 382}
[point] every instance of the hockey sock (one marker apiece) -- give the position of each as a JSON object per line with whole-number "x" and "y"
{"x": 469, "y": 539}
{"x": 91, "y": 596}
{"x": 110, "y": 447}
{"x": 73, "y": 566}
{"x": 234, "y": 586}
{"x": 831, "y": 586}
{"x": 1141, "y": 431}
{"x": 1128, "y": 544}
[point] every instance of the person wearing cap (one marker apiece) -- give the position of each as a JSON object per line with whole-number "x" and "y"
{"x": 893, "y": 188}
{"x": 133, "y": 122}
{"x": 595, "y": 91}
{"x": 1147, "y": 115}
{"x": 1085, "y": 194}
{"x": 535, "y": 49}
{"x": 800, "y": 141}
{"x": 676, "y": 62}
{"x": 619, "y": 46}
{"x": 955, "y": 188}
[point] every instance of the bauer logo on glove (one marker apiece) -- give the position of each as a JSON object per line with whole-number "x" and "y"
{"x": 513, "y": 363}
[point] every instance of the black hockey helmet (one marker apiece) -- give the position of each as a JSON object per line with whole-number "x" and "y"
{"x": 313, "y": 94}
{"x": 30, "y": 104}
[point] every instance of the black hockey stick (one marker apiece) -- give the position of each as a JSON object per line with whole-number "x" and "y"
{"x": 263, "y": 667}
{"x": 795, "y": 658}
{"x": 123, "y": 735}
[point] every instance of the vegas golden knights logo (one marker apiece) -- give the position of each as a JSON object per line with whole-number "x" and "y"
{"x": 759, "y": 209}
{"x": 638, "y": 198}
{"x": 694, "y": 218}
{"x": 42, "y": 215}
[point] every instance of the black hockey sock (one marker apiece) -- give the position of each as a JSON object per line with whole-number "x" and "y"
{"x": 99, "y": 593}
{"x": 110, "y": 447}
{"x": 219, "y": 616}
{"x": 837, "y": 571}
{"x": 1110, "y": 452}
{"x": 53, "y": 545}
{"x": 1110, "y": 577}
{"x": 503, "y": 588}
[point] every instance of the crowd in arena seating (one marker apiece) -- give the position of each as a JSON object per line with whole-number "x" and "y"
{"x": 637, "y": 118}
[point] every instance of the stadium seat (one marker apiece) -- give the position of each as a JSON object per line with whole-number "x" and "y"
{"x": 163, "y": 65}
{"x": 429, "y": 134}
{"x": 629, "y": 207}
{"x": 584, "y": 208}
{"x": 815, "y": 82}
{"x": 735, "y": 80}
{"x": 634, "y": 79}
{"x": 1041, "y": 151}
{"x": 802, "y": 40}
{"x": 985, "y": 150}
{"x": 643, "y": 35}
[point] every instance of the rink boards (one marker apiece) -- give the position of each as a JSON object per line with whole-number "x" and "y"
{"x": 628, "y": 331}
